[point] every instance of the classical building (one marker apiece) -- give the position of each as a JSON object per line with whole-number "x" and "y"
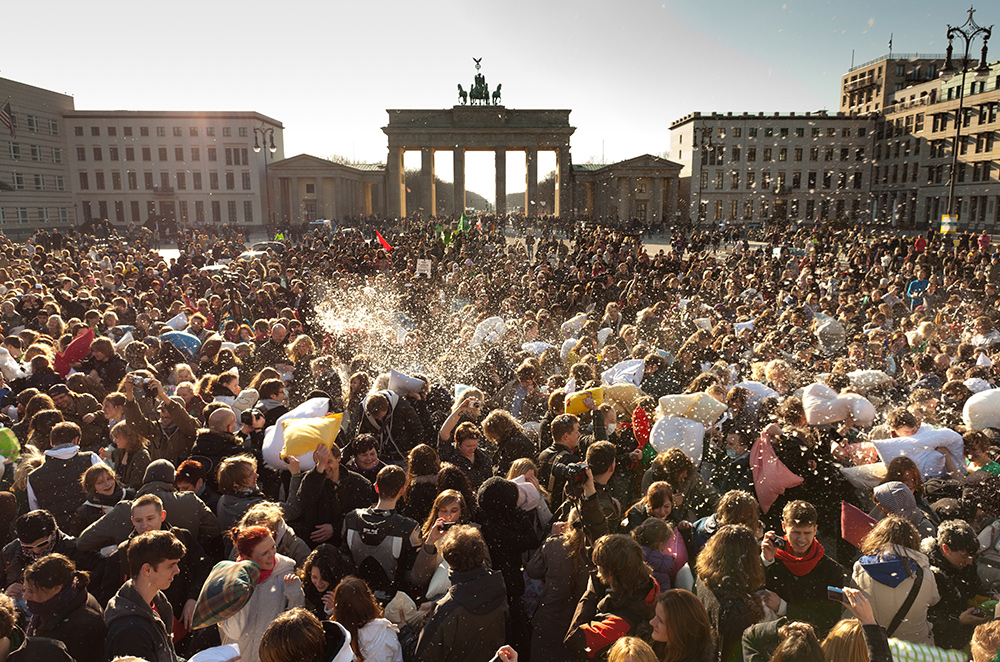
{"x": 643, "y": 188}
{"x": 191, "y": 167}
{"x": 755, "y": 168}
{"x": 310, "y": 188}
{"x": 913, "y": 151}
{"x": 35, "y": 186}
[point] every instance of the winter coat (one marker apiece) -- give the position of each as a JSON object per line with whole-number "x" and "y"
{"x": 130, "y": 473}
{"x": 956, "y": 587}
{"x": 270, "y": 598}
{"x": 807, "y": 595}
{"x": 97, "y": 506}
{"x": 79, "y": 625}
{"x": 324, "y": 502}
{"x": 603, "y": 616}
{"x": 184, "y": 510}
{"x": 730, "y": 616}
{"x": 661, "y": 564}
{"x": 172, "y": 444}
{"x": 469, "y": 622}
{"x": 398, "y": 431}
{"x": 15, "y": 560}
{"x": 232, "y": 507}
{"x": 886, "y": 582}
{"x": 135, "y": 629}
{"x": 378, "y": 641}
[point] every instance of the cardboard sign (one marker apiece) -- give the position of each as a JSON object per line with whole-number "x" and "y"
{"x": 424, "y": 268}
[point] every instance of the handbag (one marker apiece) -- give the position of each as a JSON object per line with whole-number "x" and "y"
{"x": 918, "y": 581}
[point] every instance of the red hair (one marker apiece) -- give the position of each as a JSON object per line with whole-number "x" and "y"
{"x": 248, "y": 538}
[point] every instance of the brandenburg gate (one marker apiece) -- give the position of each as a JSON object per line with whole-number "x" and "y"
{"x": 483, "y": 125}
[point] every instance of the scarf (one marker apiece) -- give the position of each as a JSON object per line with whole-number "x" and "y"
{"x": 42, "y": 611}
{"x": 801, "y": 566}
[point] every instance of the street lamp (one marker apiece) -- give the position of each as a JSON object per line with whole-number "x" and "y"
{"x": 968, "y": 31}
{"x": 267, "y": 137}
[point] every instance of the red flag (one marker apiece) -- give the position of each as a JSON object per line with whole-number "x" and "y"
{"x": 385, "y": 244}
{"x": 855, "y": 524}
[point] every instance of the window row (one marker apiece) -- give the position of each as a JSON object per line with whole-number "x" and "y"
{"x": 137, "y": 212}
{"x": 716, "y": 155}
{"x": 34, "y": 152}
{"x": 180, "y": 180}
{"x": 161, "y": 131}
{"x": 776, "y": 209}
{"x": 782, "y": 132}
{"x": 233, "y": 155}
{"x": 36, "y": 125}
{"x": 39, "y": 182}
{"x": 780, "y": 180}
{"x": 22, "y": 216}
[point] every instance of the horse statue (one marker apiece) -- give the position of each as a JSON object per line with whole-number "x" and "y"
{"x": 496, "y": 95}
{"x": 462, "y": 94}
{"x": 480, "y": 92}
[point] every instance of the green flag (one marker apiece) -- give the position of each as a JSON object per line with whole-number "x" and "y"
{"x": 463, "y": 223}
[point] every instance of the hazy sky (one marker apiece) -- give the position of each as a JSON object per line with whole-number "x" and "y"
{"x": 328, "y": 71}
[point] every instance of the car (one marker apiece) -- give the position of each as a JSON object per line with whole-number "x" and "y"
{"x": 276, "y": 246}
{"x": 252, "y": 255}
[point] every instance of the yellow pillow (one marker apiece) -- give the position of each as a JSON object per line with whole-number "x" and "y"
{"x": 574, "y": 401}
{"x": 304, "y": 435}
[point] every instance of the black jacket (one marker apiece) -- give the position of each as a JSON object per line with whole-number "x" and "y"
{"x": 468, "y": 623}
{"x": 323, "y": 501}
{"x": 398, "y": 431}
{"x": 79, "y": 625}
{"x": 135, "y": 629}
{"x": 956, "y": 587}
{"x": 603, "y": 616}
{"x": 807, "y": 595}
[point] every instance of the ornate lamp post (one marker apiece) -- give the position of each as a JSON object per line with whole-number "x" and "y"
{"x": 266, "y": 137}
{"x": 968, "y": 32}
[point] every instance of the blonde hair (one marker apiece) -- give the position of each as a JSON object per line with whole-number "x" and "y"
{"x": 846, "y": 642}
{"x": 631, "y": 649}
{"x": 264, "y": 513}
{"x": 299, "y": 342}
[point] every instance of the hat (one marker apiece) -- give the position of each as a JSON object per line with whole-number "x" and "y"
{"x": 159, "y": 471}
{"x": 895, "y": 497}
{"x": 58, "y": 389}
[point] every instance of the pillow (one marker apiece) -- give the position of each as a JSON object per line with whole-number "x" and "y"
{"x": 574, "y": 401}
{"x": 699, "y": 407}
{"x": 304, "y": 435}
{"x": 227, "y": 590}
{"x": 770, "y": 477}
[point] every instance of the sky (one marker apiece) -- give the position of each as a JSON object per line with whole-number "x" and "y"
{"x": 328, "y": 71}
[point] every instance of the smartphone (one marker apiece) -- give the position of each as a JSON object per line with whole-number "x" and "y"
{"x": 836, "y": 594}
{"x": 447, "y": 525}
{"x": 981, "y": 613}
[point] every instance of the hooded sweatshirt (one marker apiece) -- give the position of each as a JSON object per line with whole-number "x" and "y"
{"x": 886, "y": 579}
{"x": 135, "y": 629}
{"x": 468, "y": 622}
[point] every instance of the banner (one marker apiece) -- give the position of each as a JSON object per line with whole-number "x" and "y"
{"x": 949, "y": 224}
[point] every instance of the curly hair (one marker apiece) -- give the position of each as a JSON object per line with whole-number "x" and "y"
{"x": 730, "y": 563}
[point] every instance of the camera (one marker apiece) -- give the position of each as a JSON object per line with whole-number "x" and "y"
{"x": 447, "y": 525}
{"x": 574, "y": 474}
{"x": 248, "y": 416}
{"x": 138, "y": 380}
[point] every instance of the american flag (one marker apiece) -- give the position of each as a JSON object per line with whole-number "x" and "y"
{"x": 6, "y": 119}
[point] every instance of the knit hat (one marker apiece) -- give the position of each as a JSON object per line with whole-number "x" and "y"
{"x": 159, "y": 471}
{"x": 897, "y": 498}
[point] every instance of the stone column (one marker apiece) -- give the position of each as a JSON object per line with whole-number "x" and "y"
{"x": 368, "y": 198}
{"x": 459, "y": 166}
{"x": 657, "y": 199}
{"x": 427, "y": 193}
{"x": 590, "y": 200}
{"x": 297, "y": 189}
{"x": 500, "y": 168}
{"x": 564, "y": 183}
{"x": 395, "y": 183}
{"x": 671, "y": 186}
{"x": 531, "y": 181}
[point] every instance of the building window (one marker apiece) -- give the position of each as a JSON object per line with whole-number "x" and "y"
{"x": 119, "y": 211}
{"x": 195, "y": 154}
{"x": 768, "y": 132}
{"x": 199, "y": 211}
{"x": 811, "y": 180}
{"x": 783, "y": 154}
{"x": 800, "y": 132}
{"x": 764, "y": 207}
{"x": 767, "y": 154}
{"x": 702, "y": 210}
{"x": 15, "y": 151}
{"x": 719, "y": 180}
{"x": 859, "y": 154}
{"x": 212, "y": 154}
{"x": 22, "y": 215}
{"x": 196, "y": 180}
{"x": 143, "y": 132}
{"x": 784, "y": 132}
{"x": 748, "y": 210}
{"x": 752, "y": 132}
{"x": 81, "y": 153}
{"x": 810, "y": 208}
{"x": 845, "y": 153}
{"x": 796, "y": 179}
{"x": 113, "y": 153}
{"x": 181, "y": 181}
{"x": 36, "y": 153}
{"x": 248, "y": 211}
{"x": 78, "y": 131}
{"x": 862, "y": 131}
{"x": 63, "y": 215}
{"x": 765, "y": 180}
{"x": 210, "y": 131}
{"x": 178, "y": 153}
{"x": 842, "y": 180}
{"x": 165, "y": 181}
{"x": 130, "y": 154}
{"x": 737, "y": 132}
{"x": 32, "y": 124}
{"x": 161, "y": 153}
{"x": 734, "y": 209}
{"x": 831, "y": 132}
{"x": 98, "y": 154}
{"x": 798, "y": 154}
{"x": 232, "y": 211}
{"x": 193, "y": 132}
{"x": 751, "y": 154}
{"x": 216, "y": 211}
{"x": 177, "y": 132}
{"x": 734, "y": 181}
{"x": 827, "y": 179}
{"x": 814, "y": 153}
{"x": 60, "y": 183}
{"x": 134, "y": 211}
{"x": 703, "y": 180}
{"x": 147, "y": 154}
{"x": 84, "y": 181}
{"x": 226, "y": 133}
{"x": 793, "y": 209}
{"x": 717, "y": 211}
{"x": 828, "y": 154}
{"x": 751, "y": 179}
{"x": 243, "y": 132}
{"x": 95, "y": 131}
{"x": 147, "y": 181}
{"x": 39, "y": 182}
{"x": 213, "y": 181}
{"x": 230, "y": 181}
{"x": 57, "y": 155}
{"x": 133, "y": 181}
{"x": 815, "y": 132}
{"x": 99, "y": 179}
{"x": 736, "y": 154}
{"x": 161, "y": 131}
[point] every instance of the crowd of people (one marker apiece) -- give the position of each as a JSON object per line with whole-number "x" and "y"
{"x": 571, "y": 448}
